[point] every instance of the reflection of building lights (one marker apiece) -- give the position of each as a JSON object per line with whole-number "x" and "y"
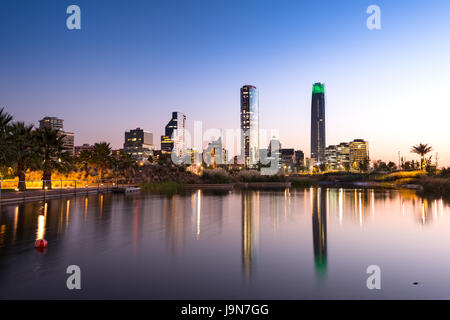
{"x": 423, "y": 213}
{"x": 16, "y": 219}
{"x": 360, "y": 209}
{"x": 40, "y": 233}
{"x": 199, "y": 207}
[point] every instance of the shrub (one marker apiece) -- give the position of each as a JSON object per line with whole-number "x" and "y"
{"x": 255, "y": 176}
{"x": 216, "y": 176}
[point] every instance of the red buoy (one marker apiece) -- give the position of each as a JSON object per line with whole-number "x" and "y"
{"x": 40, "y": 243}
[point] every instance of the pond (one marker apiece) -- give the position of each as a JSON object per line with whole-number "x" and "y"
{"x": 294, "y": 244}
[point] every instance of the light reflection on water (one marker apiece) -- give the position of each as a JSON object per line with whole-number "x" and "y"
{"x": 295, "y": 244}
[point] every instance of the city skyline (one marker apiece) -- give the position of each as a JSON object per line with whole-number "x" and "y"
{"x": 385, "y": 86}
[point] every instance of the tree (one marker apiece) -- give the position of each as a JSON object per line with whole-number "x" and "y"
{"x": 392, "y": 166}
{"x": 421, "y": 150}
{"x": 84, "y": 158}
{"x": 363, "y": 165}
{"x": 101, "y": 157}
{"x": 53, "y": 153}
{"x": 126, "y": 166}
{"x": 22, "y": 150}
{"x": 5, "y": 119}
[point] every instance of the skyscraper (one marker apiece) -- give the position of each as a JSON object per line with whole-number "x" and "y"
{"x": 174, "y": 138}
{"x": 250, "y": 125}
{"x": 318, "y": 123}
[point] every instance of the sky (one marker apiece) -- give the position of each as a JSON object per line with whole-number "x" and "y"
{"x": 134, "y": 62}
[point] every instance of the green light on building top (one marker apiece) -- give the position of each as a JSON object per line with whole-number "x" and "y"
{"x": 318, "y": 88}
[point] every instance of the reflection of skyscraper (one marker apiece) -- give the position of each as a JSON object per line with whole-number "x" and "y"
{"x": 319, "y": 224}
{"x": 318, "y": 123}
{"x": 250, "y": 125}
{"x": 250, "y": 230}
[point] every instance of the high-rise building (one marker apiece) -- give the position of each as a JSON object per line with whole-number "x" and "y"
{"x": 288, "y": 157}
{"x": 51, "y": 122}
{"x": 174, "y": 138}
{"x": 57, "y": 124}
{"x": 359, "y": 153}
{"x": 215, "y": 154}
{"x": 343, "y": 156}
{"x": 318, "y": 123}
{"x": 139, "y": 144}
{"x": 299, "y": 157}
{"x": 250, "y": 125}
{"x": 331, "y": 157}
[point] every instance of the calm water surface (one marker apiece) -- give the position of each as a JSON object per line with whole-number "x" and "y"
{"x": 303, "y": 244}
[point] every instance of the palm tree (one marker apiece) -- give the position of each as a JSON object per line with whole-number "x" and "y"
{"x": 22, "y": 150}
{"x": 101, "y": 157}
{"x": 126, "y": 166}
{"x": 53, "y": 153}
{"x": 85, "y": 157}
{"x": 5, "y": 119}
{"x": 421, "y": 150}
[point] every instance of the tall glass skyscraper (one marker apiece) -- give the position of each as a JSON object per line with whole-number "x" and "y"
{"x": 250, "y": 125}
{"x": 174, "y": 138}
{"x": 318, "y": 123}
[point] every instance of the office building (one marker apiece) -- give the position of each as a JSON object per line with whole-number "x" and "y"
{"x": 343, "y": 156}
{"x": 299, "y": 157}
{"x": 52, "y": 123}
{"x": 139, "y": 144}
{"x": 288, "y": 157}
{"x": 174, "y": 138}
{"x": 250, "y": 125}
{"x": 359, "y": 153}
{"x": 57, "y": 124}
{"x": 318, "y": 123}
{"x": 331, "y": 157}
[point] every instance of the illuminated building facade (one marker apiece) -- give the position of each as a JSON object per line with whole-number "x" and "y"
{"x": 174, "y": 138}
{"x": 359, "y": 153}
{"x": 250, "y": 125}
{"x": 318, "y": 123}
{"x": 331, "y": 157}
{"x": 343, "y": 157}
{"x": 139, "y": 144}
{"x": 52, "y": 123}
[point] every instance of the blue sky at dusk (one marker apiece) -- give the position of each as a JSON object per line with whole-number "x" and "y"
{"x": 134, "y": 62}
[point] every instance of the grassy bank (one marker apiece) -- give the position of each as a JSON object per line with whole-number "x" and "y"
{"x": 435, "y": 186}
{"x": 304, "y": 182}
{"x": 169, "y": 187}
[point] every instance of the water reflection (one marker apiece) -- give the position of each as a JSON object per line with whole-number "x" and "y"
{"x": 319, "y": 226}
{"x": 184, "y": 243}
{"x": 250, "y": 230}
